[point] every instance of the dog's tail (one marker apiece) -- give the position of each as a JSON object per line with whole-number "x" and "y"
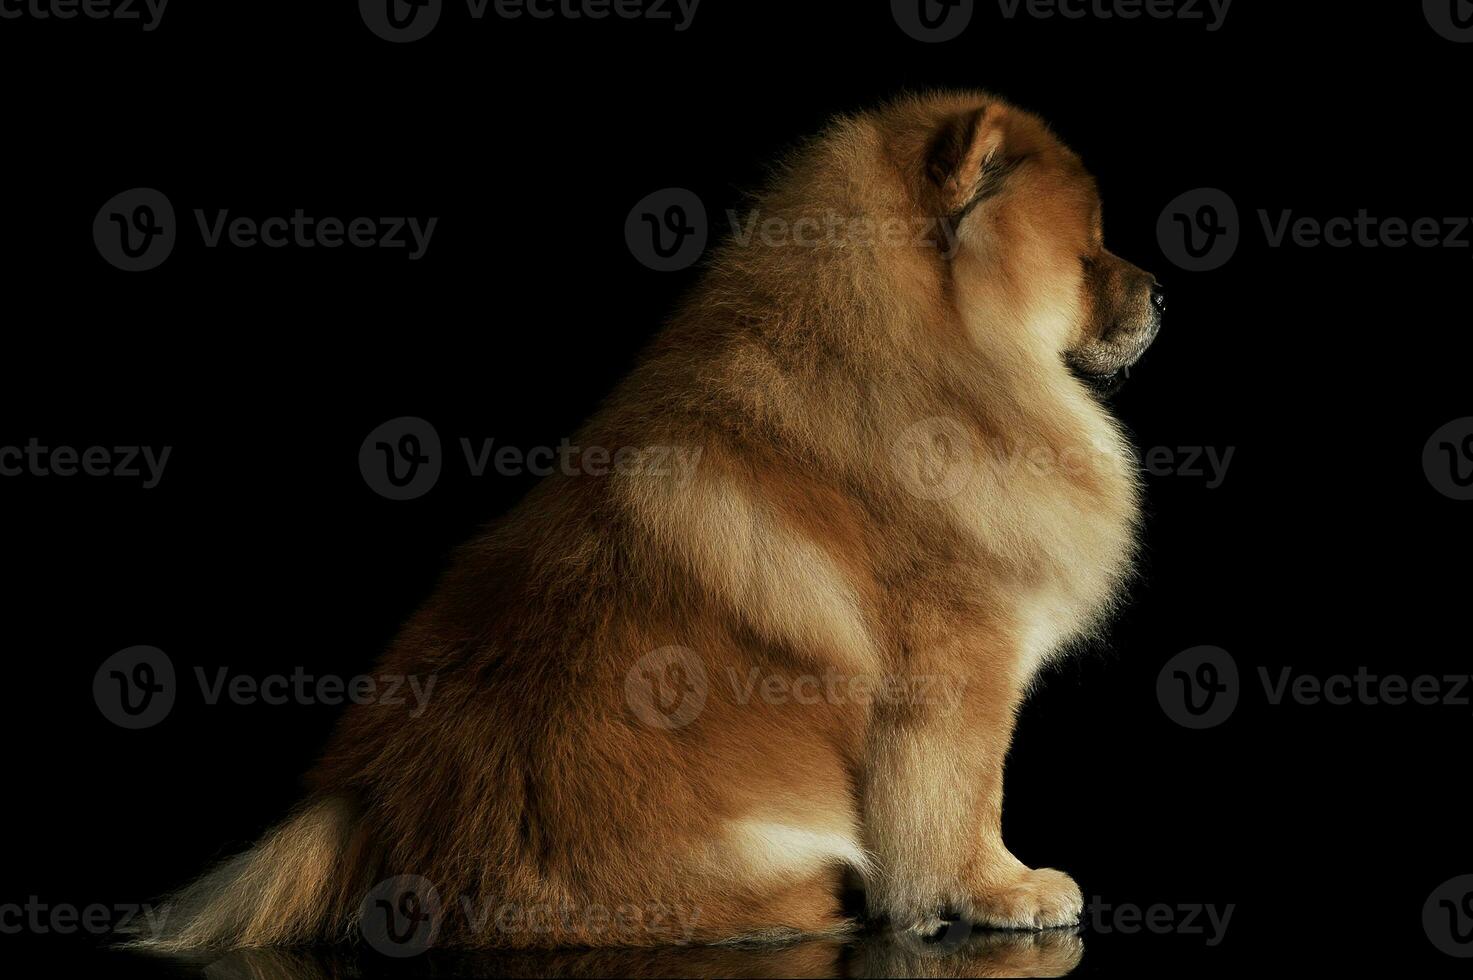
{"x": 288, "y": 889}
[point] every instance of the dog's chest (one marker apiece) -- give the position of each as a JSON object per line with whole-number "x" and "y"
{"x": 1050, "y": 557}
{"x": 1047, "y": 623}
{"x": 1084, "y": 559}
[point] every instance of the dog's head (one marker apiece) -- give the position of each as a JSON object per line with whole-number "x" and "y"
{"x": 1021, "y": 231}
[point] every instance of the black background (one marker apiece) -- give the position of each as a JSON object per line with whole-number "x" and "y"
{"x": 263, "y": 550}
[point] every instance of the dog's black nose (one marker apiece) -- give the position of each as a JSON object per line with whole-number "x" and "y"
{"x": 1158, "y": 297}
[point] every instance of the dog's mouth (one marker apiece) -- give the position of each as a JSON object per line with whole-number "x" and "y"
{"x": 1101, "y": 383}
{"x": 1104, "y": 366}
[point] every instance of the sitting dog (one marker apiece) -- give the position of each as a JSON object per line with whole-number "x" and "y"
{"x": 682, "y": 704}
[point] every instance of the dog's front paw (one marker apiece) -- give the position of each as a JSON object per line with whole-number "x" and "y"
{"x": 1015, "y": 898}
{"x": 1041, "y": 899}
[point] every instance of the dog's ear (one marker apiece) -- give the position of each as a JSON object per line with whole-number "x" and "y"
{"x": 968, "y": 158}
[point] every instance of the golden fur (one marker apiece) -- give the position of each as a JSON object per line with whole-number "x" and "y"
{"x": 902, "y": 476}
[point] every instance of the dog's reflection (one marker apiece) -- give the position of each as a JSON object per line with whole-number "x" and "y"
{"x": 959, "y": 952}
{"x": 962, "y": 952}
